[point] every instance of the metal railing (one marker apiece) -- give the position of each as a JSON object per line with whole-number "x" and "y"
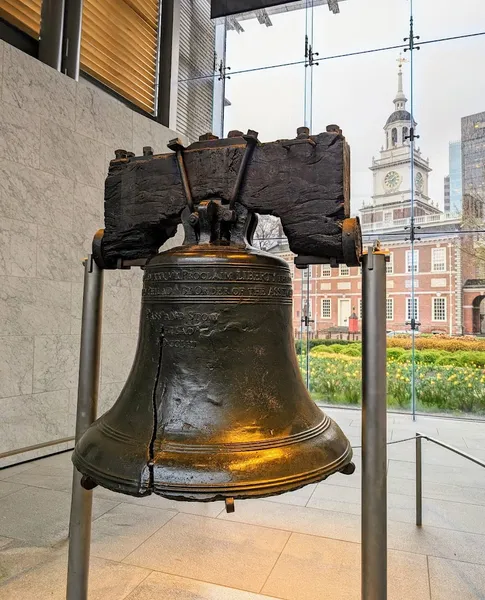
{"x": 419, "y": 469}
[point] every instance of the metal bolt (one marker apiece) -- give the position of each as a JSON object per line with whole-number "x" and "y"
{"x": 147, "y": 151}
{"x": 120, "y": 153}
{"x": 229, "y": 216}
{"x": 333, "y": 129}
{"x": 207, "y": 136}
{"x": 235, "y": 133}
{"x": 193, "y": 219}
{"x": 302, "y": 131}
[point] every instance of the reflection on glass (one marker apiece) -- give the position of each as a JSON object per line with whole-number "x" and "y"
{"x": 270, "y": 102}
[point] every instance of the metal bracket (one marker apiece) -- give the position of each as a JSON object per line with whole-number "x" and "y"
{"x": 251, "y": 139}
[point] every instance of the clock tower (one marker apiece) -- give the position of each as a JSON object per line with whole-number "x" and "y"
{"x": 392, "y": 185}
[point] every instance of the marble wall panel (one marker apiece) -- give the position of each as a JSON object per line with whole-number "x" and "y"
{"x": 34, "y": 196}
{"x": 117, "y": 354}
{"x": 60, "y": 254}
{"x": 16, "y": 365}
{"x": 34, "y": 307}
{"x": 36, "y": 87}
{"x": 117, "y": 309}
{"x": 88, "y": 204}
{"x": 19, "y": 136}
{"x": 147, "y": 132}
{"x": 56, "y": 362}
{"x": 103, "y": 118}
{"x": 18, "y": 245}
{"x": 33, "y": 419}
{"x": 71, "y": 155}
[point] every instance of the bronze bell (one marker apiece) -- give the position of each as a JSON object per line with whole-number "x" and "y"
{"x": 214, "y": 407}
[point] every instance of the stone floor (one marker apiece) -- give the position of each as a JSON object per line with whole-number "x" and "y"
{"x": 300, "y": 546}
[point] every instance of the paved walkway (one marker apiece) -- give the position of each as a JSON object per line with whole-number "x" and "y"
{"x": 300, "y": 546}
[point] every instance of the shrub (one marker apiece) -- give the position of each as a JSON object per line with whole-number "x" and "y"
{"x": 428, "y": 357}
{"x": 352, "y": 350}
{"x": 439, "y": 342}
{"x": 395, "y": 353}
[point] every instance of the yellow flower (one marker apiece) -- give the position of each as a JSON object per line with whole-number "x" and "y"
{"x": 469, "y": 385}
{"x": 455, "y": 382}
{"x": 432, "y": 382}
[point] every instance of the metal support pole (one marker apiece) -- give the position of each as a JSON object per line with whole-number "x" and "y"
{"x": 51, "y": 33}
{"x": 72, "y": 38}
{"x": 81, "y": 503}
{"x": 374, "y": 425}
{"x": 419, "y": 481}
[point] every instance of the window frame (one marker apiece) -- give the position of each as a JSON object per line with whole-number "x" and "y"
{"x": 340, "y": 274}
{"x": 391, "y": 300}
{"x": 390, "y": 264}
{"x": 433, "y": 263}
{"x": 445, "y": 309}
{"x": 409, "y": 317}
{"x": 409, "y": 262}
{"x": 322, "y": 316}
{"x": 326, "y": 271}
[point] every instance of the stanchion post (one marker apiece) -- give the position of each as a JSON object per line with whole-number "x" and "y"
{"x": 419, "y": 481}
{"x": 81, "y": 503}
{"x": 374, "y": 426}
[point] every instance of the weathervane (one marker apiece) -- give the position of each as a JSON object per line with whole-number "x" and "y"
{"x": 401, "y": 60}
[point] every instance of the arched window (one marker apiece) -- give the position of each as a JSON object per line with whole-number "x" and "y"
{"x": 404, "y": 134}
{"x": 394, "y": 136}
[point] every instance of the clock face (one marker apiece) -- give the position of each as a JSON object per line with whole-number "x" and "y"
{"x": 419, "y": 182}
{"x": 392, "y": 180}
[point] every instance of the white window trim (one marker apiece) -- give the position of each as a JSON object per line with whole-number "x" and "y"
{"x": 433, "y": 313}
{"x": 360, "y": 309}
{"x": 391, "y": 300}
{"x": 340, "y": 270}
{"x": 416, "y": 261}
{"x": 390, "y": 264}
{"x": 328, "y": 273}
{"x": 433, "y": 270}
{"x": 408, "y": 316}
{"x": 329, "y": 300}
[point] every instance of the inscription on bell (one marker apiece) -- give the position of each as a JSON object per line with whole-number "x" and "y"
{"x": 215, "y": 290}
{"x": 226, "y": 275}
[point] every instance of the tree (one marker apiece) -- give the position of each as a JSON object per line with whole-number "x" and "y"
{"x": 269, "y": 232}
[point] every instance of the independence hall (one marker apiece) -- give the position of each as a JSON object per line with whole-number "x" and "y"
{"x": 440, "y": 283}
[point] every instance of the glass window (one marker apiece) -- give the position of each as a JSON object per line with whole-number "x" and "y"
{"x": 305, "y": 273}
{"x": 326, "y": 271}
{"x": 439, "y": 309}
{"x": 360, "y": 309}
{"x": 390, "y": 264}
{"x": 343, "y": 270}
{"x": 390, "y": 309}
{"x": 409, "y": 309}
{"x": 410, "y": 266}
{"x": 438, "y": 259}
{"x": 326, "y": 308}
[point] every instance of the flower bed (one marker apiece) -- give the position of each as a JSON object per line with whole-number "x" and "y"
{"x": 337, "y": 378}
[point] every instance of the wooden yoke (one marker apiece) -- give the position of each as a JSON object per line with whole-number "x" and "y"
{"x": 304, "y": 181}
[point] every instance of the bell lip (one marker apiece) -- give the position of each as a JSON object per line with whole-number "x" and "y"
{"x": 209, "y": 493}
{"x": 117, "y": 484}
{"x": 198, "y": 493}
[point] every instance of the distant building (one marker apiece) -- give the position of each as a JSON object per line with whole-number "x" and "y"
{"x": 448, "y": 280}
{"x": 455, "y": 204}
{"x": 446, "y": 193}
{"x": 473, "y": 165}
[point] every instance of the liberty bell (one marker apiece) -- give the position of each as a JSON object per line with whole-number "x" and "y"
{"x": 214, "y": 407}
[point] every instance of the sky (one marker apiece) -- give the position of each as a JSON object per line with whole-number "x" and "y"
{"x": 356, "y": 92}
